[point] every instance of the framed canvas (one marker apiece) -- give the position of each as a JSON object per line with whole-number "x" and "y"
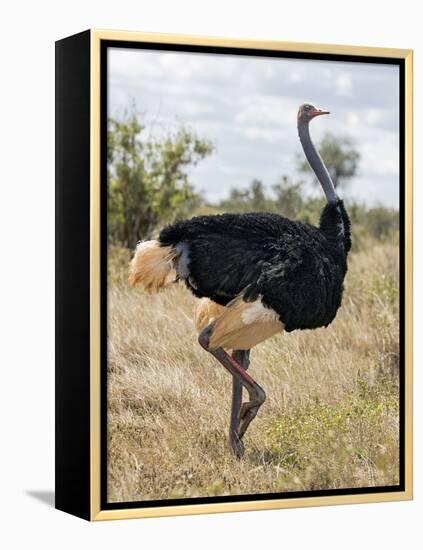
{"x": 209, "y": 220}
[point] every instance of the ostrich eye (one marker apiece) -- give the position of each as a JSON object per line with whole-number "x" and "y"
{"x": 306, "y": 107}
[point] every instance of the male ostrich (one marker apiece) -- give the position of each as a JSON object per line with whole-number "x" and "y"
{"x": 257, "y": 274}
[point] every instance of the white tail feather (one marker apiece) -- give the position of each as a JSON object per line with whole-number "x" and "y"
{"x": 152, "y": 266}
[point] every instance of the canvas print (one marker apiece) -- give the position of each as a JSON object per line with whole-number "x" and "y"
{"x": 253, "y": 275}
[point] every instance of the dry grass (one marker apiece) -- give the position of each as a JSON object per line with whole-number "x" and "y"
{"x": 330, "y": 420}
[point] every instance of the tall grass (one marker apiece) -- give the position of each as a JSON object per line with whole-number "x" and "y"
{"x": 330, "y": 419}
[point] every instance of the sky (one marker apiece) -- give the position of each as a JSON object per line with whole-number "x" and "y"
{"x": 247, "y": 107}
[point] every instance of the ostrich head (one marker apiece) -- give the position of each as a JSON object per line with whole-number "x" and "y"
{"x": 308, "y": 111}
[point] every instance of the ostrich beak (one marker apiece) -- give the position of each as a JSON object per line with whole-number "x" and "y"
{"x": 318, "y": 112}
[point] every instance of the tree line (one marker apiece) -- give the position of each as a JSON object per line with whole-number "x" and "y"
{"x": 149, "y": 186}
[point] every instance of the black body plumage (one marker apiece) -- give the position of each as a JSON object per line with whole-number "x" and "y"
{"x": 295, "y": 268}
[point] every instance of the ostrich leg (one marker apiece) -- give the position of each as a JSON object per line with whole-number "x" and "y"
{"x": 242, "y": 357}
{"x": 255, "y": 392}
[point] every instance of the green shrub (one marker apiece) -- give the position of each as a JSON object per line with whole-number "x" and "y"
{"x": 337, "y": 434}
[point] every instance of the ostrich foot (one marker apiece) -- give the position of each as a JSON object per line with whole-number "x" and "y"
{"x": 236, "y": 444}
{"x": 250, "y": 409}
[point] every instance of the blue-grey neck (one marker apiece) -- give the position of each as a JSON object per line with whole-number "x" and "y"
{"x": 316, "y": 162}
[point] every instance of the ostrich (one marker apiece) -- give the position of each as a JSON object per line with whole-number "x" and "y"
{"x": 257, "y": 274}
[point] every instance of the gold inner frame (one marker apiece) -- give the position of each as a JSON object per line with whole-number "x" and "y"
{"x": 95, "y": 251}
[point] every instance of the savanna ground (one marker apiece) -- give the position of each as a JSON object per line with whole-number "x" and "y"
{"x": 330, "y": 420}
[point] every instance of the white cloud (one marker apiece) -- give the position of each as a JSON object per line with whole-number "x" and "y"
{"x": 248, "y": 106}
{"x": 259, "y": 133}
{"x": 344, "y": 85}
{"x": 353, "y": 120}
{"x": 266, "y": 110}
{"x": 381, "y": 157}
{"x": 297, "y": 74}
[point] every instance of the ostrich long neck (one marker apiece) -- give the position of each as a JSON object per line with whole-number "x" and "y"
{"x": 316, "y": 162}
